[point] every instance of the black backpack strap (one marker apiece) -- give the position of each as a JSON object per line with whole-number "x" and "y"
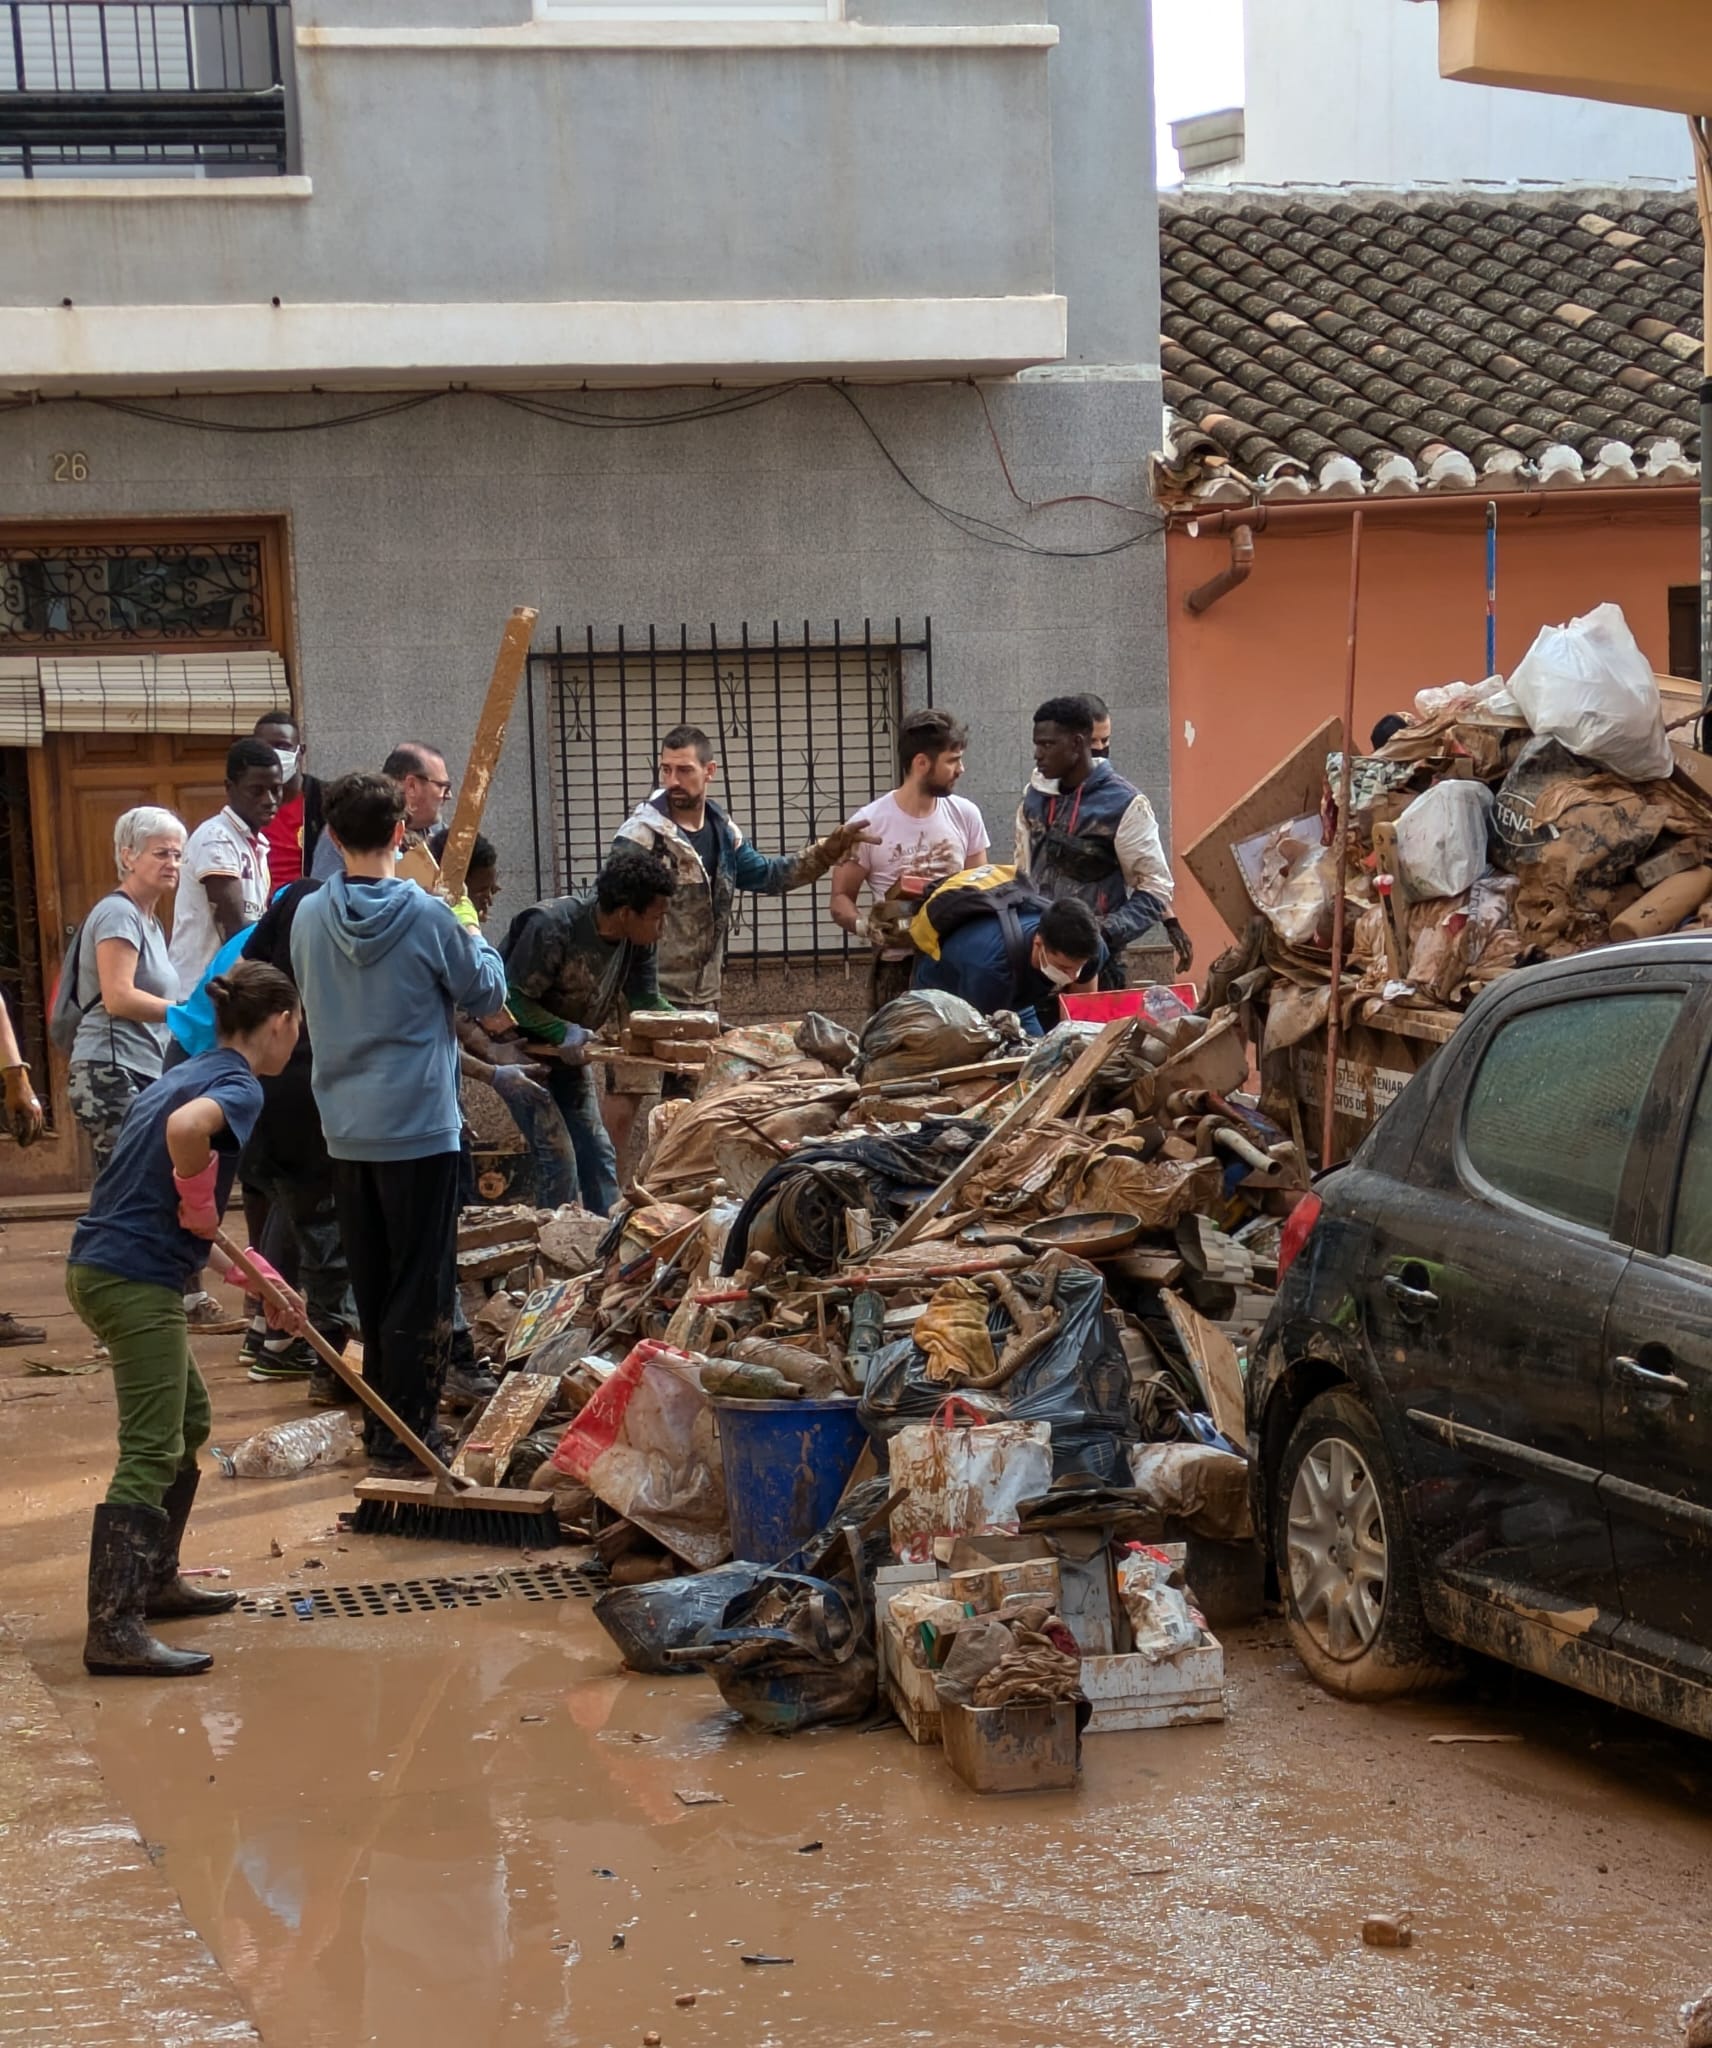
{"x": 1011, "y": 932}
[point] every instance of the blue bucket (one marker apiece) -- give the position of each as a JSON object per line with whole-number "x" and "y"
{"x": 786, "y": 1465}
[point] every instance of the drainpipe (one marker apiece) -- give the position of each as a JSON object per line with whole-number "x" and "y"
{"x": 1205, "y": 595}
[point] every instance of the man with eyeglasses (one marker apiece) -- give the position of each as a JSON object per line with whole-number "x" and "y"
{"x": 421, "y": 771}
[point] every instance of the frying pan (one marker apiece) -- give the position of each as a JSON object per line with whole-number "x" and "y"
{"x": 1090, "y": 1233}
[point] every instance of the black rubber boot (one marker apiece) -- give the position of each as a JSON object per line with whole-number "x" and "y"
{"x": 126, "y": 1546}
{"x": 171, "y": 1596}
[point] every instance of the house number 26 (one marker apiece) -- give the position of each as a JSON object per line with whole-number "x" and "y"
{"x": 71, "y": 466}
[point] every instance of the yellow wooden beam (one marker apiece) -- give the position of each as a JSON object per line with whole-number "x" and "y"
{"x": 1644, "y": 53}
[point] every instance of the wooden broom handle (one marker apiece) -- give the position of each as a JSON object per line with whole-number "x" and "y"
{"x": 282, "y": 1297}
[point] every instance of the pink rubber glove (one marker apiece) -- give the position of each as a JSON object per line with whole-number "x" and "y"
{"x": 291, "y": 1318}
{"x": 198, "y": 1199}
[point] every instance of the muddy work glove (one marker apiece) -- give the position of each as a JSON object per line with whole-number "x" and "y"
{"x": 290, "y": 1318}
{"x": 517, "y": 1086}
{"x": 24, "y": 1118}
{"x": 825, "y": 854}
{"x": 199, "y": 1199}
{"x": 571, "y": 1051}
{"x": 1181, "y": 945}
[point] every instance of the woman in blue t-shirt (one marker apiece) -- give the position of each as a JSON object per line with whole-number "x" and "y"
{"x": 155, "y": 1205}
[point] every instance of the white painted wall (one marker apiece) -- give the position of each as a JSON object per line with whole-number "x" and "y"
{"x": 1348, "y": 92}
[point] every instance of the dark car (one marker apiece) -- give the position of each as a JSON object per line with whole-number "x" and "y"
{"x": 1481, "y": 1409}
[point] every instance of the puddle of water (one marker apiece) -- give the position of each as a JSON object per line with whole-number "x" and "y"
{"x": 428, "y": 1832}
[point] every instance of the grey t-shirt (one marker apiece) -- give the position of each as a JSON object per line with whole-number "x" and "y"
{"x": 122, "y": 1041}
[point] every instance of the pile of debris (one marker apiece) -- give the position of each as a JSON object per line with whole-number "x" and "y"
{"x": 995, "y": 1290}
{"x": 1504, "y": 822}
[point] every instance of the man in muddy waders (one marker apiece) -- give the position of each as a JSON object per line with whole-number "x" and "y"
{"x": 710, "y": 861}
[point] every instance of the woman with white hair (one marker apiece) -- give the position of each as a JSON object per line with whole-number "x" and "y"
{"x": 125, "y": 981}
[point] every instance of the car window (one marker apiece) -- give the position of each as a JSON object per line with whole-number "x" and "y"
{"x": 1691, "y": 1230}
{"x": 1557, "y": 1098}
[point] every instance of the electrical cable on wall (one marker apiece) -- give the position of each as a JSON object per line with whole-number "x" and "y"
{"x": 973, "y": 525}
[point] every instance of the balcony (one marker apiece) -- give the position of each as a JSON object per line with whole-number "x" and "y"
{"x": 158, "y": 88}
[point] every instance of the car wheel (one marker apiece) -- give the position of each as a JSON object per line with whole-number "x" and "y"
{"x": 1346, "y": 1569}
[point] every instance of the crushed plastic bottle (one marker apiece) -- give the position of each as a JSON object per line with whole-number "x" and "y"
{"x": 285, "y": 1449}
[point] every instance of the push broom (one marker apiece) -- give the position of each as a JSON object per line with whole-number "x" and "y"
{"x": 447, "y": 1505}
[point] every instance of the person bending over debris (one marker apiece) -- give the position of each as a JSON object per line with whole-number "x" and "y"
{"x": 1021, "y": 962}
{"x": 383, "y": 967}
{"x": 24, "y": 1119}
{"x": 712, "y": 861}
{"x": 1082, "y": 830}
{"x": 575, "y": 965}
{"x": 154, "y": 1207}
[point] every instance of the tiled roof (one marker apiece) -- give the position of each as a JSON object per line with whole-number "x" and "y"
{"x": 1336, "y": 345}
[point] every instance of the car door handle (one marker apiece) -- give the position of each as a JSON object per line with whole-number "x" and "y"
{"x": 1421, "y": 1300}
{"x": 1648, "y": 1376}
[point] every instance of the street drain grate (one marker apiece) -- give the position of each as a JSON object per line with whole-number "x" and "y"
{"x": 372, "y": 1600}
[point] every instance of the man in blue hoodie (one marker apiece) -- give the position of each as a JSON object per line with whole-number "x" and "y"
{"x": 383, "y": 968}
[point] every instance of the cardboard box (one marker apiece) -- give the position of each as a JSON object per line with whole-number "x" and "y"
{"x": 1130, "y": 1692}
{"x": 1013, "y": 1749}
{"x": 909, "y": 1688}
{"x": 989, "y": 1587}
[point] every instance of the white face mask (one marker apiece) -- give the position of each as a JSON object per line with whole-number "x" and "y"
{"x": 288, "y": 759}
{"x": 1055, "y": 975}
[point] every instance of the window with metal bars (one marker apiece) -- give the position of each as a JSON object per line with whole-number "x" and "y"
{"x": 804, "y": 729}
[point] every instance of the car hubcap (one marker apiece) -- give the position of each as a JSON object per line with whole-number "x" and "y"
{"x": 1337, "y": 1549}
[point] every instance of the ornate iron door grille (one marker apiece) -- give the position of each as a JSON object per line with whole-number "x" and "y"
{"x": 130, "y": 593}
{"x": 805, "y": 731}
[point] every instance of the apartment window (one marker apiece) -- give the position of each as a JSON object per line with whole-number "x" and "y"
{"x": 1685, "y": 630}
{"x": 126, "y": 592}
{"x": 804, "y": 726}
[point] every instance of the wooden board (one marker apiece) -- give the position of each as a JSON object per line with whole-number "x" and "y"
{"x": 508, "y": 666}
{"x": 522, "y": 1400}
{"x": 491, "y": 1262}
{"x": 1290, "y": 791}
{"x": 1213, "y": 1356}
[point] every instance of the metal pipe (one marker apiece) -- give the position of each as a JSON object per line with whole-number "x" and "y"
{"x": 1492, "y": 586}
{"x": 1340, "y": 851}
{"x": 1241, "y": 566}
{"x": 1700, "y": 134}
{"x": 1603, "y": 500}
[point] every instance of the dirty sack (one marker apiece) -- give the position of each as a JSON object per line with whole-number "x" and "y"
{"x": 1026, "y": 1659}
{"x": 962, "y": 1475}
{"x": 791, "y": 1652}
{"x": 646, "y": 1622}
{"x": 821, "y": 1038}
{"x": 1079, "y": 1383}
{"x": 646, "y": 1445}
{"x": 1203, "y": 1488}
{"x": 1163, "y": 1619}
{"x": 1291, "y": 875}
{"x": 921, "y": 1032}
{"x": 1589, "y": 685}
{"x": 1118, "y": 1178}
{"x": 285, "y": 1449}
{"x": 1441, "y": 840}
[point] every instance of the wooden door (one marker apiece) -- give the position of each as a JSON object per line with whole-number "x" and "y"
{"x": 80, "y": 784}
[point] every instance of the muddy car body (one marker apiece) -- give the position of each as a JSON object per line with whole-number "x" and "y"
{"x": 1481, "y": 1409}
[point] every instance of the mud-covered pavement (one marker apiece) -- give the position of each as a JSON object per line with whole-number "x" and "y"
{"x": 465, "y": 1827}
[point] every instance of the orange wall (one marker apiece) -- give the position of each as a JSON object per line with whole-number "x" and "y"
{"x": 1252, "y": 677}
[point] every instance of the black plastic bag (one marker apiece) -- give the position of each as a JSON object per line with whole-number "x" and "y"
{"x": 792, "y": 1652}
{"x": 671, "y": 1614}
{"x": 1079, "y": 1383}
{"x": 920, "y": 1031}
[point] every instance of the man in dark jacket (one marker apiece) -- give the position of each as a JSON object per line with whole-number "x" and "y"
{"x": 1083, "y": 831}
{"x": 712, "y": 861}
{"x": 1052, "y": 947}
{"x": 575, "y": 965}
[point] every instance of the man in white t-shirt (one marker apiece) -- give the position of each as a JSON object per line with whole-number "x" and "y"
{"x": 225, "y": 879}
{"x": 924, "y": 833}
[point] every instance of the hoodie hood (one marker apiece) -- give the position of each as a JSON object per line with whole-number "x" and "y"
{"x": 367, "y": 919}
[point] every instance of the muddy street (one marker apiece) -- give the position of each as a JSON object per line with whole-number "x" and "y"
{"x": 458, "y": 1822}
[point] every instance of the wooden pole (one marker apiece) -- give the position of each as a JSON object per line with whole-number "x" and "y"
{"x": 508, "y": 667}
{"x": 1340, "y": 851}
{"x": 1700, "y": 129}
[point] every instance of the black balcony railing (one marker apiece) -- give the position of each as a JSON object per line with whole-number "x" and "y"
{"x": 156, "y": 86}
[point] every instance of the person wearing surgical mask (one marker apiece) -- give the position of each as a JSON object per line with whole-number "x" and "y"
{"x": 296, "y": 826}
{"x": 1050, "y": 948}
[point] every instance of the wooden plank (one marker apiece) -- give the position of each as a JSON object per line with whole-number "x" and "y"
{"x": 489, "y": 1262}
{"x": 1213, "y": 1356}
{"x": 508, "y": 1418}
{"x": 1047, "y": 1099}
{"x": 1290, "y": 791}
{"x": 509, "y": 664}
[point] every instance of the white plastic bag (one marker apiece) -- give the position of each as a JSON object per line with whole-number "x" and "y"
{"x": 1588, "y": 686}
{"x": 970, "y": 1476}
{"x": 1441, "y": 840}
{"x": 1460, "y": 696}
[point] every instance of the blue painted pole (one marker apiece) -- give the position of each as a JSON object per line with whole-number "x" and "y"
{"x": 1492, "y": 586}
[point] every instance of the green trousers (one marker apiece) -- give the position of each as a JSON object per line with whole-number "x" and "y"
{"x": 164, "y": 1416}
